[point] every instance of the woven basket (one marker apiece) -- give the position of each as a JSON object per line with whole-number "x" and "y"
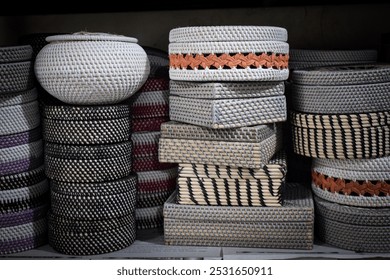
{"x": 16, "y": 77}
{"x": 250, "y": 147}
{"x": 145, "y": 143}
{"x": 341, "y": 99}
{"x": 343, "y": 75}
{"x": 331, "y": 56}
{"x": 302, "y": 65}
{"x": 24, "y": 205}
{"x": 145, "y": 200}
{"x": 159, "y": 180}
{"x": 19, "y": 166}
{"x": 147, "y": 124}
{"x": 228, "y": 113}
{"x": 226, "y": 186}
{"x": 19, "y": 118}
{"x": 23, "y": 217}
{"x": 20, "y": 180}
{"x": 113, "y": 68}
{"x": 290, "y": 226}
{"x": 154, "y": 84}
{"x": 15, "y": 53}
{"x": 21, "y": 138}
{"x": 32, "y": 150}
{"x": 150, "y": 104}
{"x": 17, "y": 98}
{"x": 150, "y": 163}
{"x": 24, "y": 193}
{"x": 159, "y": 62}
{"x": 151, "y": 217}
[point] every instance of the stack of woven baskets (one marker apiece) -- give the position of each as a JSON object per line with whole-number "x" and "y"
{"x": 342, "y": 119}
{"x": 23, "y": 186}
{"x": 149, "y": 109}
{"x": 87, "y": 150}
{"x": 226, "y": 96}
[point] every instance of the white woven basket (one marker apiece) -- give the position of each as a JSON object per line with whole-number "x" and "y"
{"x": 88, "y": 68}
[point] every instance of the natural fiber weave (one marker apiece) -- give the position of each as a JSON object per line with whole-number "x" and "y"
{"x": 376, "y": 169}
{"x": 88, "y": 207}
{"x": 31, "y": 150}
{"x": 155, "y": 84}
{"x": 359, "y": 201}
{"x": 113, "y": 68}
{"x": 15, "y": 181}
{"x": 123, "y": 185}
{"x": 330, "y": 56}
{"x": 153, "y": 111}
{"x": 16, "y": 218}
{"x": 159, "y": 180}
{"x": 92, "y": 243}
{"x": 88, "y": 152}
{"x": 345, "y": 121}
{"x": 352, "y": 215}
{"x": 337, "y": 99}
{"x": 151, "y": 217}
{"x": 226, "y": 90}
{"x": 147, "y": 124}
{"x": 150, "y": 99}
{"x": 88, "y": 170}
{"x": 22, "y": 244}
{"x": 20, "y": 166}
{"x": 21, "y": 138}
{"x": 17, "y": 98}
{"x": 298, "y": 65}
{"x": 15, "y": 53}
{"x": 86, "y": 113}
{"x": 24, "y": 193}
{"x": 24, "y": 205}
{"x": 353, "y": 237}
{"x": 153, "y": 199}
{"x": 227, "y": 33}
{"x": 145, "y": 143}
{"x": 15, "y": 77}
{"x": 343, "y": 75}
{"x": 86, "y": 132}
{"x": 19, "y": 118}
{"x": 228, "y": 113}
{"x": 290, "y": 226}
{"x": 356, "y": 143}
{"x": 141, "y": 164}
{"x": 22, "y": 231}
{"x": 226, "y": 186}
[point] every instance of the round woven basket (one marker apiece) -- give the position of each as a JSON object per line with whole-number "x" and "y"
{"x": 25, "y": 216}
{"x": 21, "y": 138}
{"x": 16, "y": 76}
{"x": 106, "y": 68}
{"x": 15, "y": 53}
{"x": 17, "y": 98}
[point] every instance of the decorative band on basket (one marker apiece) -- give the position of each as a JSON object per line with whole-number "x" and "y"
{"x": 229, "y": 61}
{"x": 351, "y": 187}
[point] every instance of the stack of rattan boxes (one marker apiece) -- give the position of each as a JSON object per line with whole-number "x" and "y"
{"x": 226, "y": 100}
{"x": 342, "y": 119}
{"x": 23, "y": 186}
{"x": 149, "y": 109}
{"x": 88, "y": 153}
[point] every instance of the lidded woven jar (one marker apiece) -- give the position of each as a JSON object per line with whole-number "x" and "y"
{"x": 91, "y": 68}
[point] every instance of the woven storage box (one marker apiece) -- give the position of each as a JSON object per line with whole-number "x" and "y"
{"x": 150, "y": 217}
{"x": 158, "y": 180}
{"x": 248, "y": 53}
{"x": 222, "y": 185}
{"x": 228, "y": 113}
{"x": 145, "y": 144}
{"x": 290, "y": 226}
{"x": 148, "y": 124}
{"x": 250, "y": 147}
{"x": 352, "y": 228}
{"x": 159, "y": 62}
{"x": 150, "y": 104}
{"x": 113, "y": 68}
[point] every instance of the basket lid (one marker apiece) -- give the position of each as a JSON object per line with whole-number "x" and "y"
{"x": 88, "y": 36}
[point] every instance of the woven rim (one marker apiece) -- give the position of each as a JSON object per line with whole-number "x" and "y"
{"x": 353, "y": 237}
{"x": 145, "y": 143}
{"x": 88, "y": 170}
{"x": 22, "y": 244}
{"x": 24, "y": 216}
{"x": 343, "y": 75}
{"x": 22, "y": 152}
{"x": 298, "y": 207}
{"x": 93, "y": 207}
{"x": 92, "y": 243}
{"x": 228, "y": 113}
{"x": 158, "y": 180}
{"x": 367, "y": 142}
{"x": 152, "y": 199}
{"x": 351, "y": 187}
{"x": 16, "y": 77}
{"x": 88, "y": 36}
{"x": 15, "y": 53}
{"x": 32, "y": 229}
{"x": 351, "y": 214}
{"x": 227, "y": 33}
{"x": 25, "y": 193}
{"x": 85, "y": 113}
{"x": 20, "y": 180}
{"x": 155, "y": 84}
{"x": 226, "y": 90}
{"x": 330, "y": 56}
{"x": 147, "y": 124}
{"x": 359, "y": 201}
{"x": 86, "y": 132}
{"x": 345, "y": 121}
{"x": 150, "y": 163}
{"x": 17, "y": 98}
{"x": 88, "y": 152}
{"x": 341, "y": 99}
{"x": 122, "y": 185}
{"x": 21, "y": 138}
{"x": 19, "y": 118}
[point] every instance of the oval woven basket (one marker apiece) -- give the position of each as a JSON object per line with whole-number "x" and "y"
{"x": 91, "y": 68}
